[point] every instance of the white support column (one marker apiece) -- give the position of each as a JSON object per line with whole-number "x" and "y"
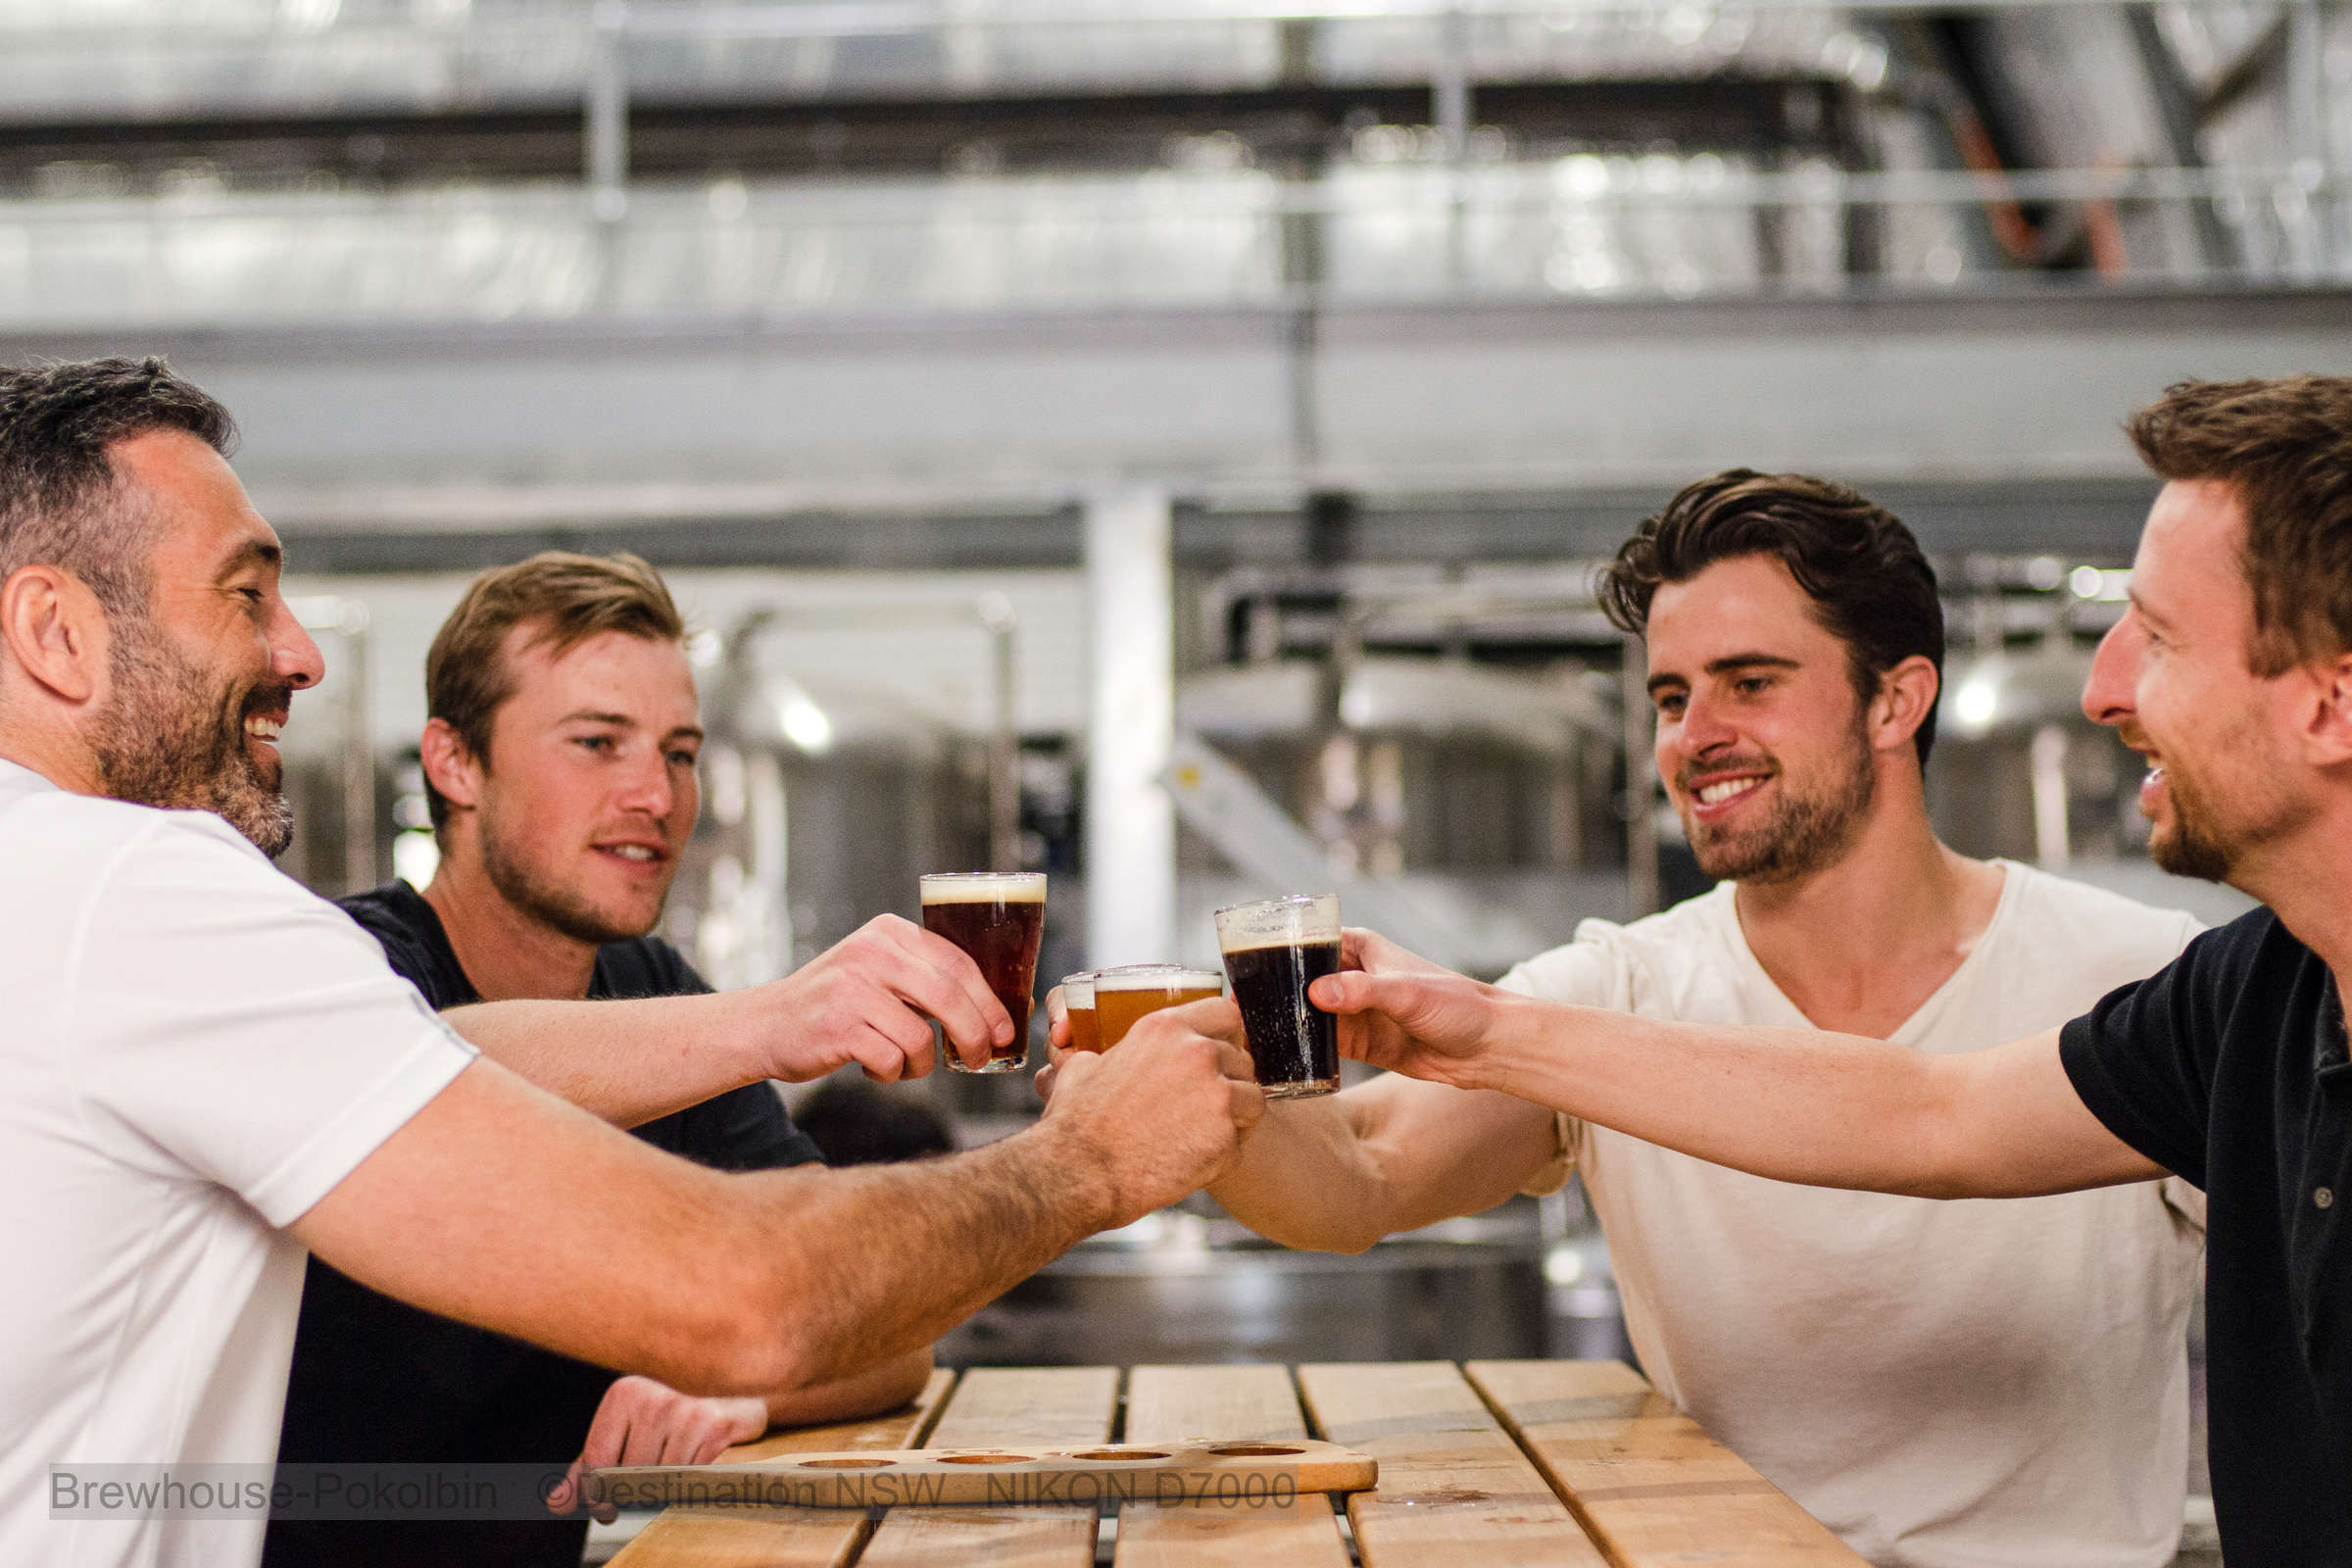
{"x": 1129, "y": 822}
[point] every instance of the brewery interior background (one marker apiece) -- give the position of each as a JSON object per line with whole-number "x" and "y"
{"x": 1166, "y": 443}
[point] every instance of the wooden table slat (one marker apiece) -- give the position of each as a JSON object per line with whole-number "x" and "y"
{"x": 784, "y": 1538}
{"x": 1168, "y": 1404}
{"x": 1455, "y": 1489}
{"x": 1006, "y": 1405}
{"x": 1647, "y": 1481}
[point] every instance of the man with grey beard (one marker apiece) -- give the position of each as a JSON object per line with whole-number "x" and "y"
{"x": 210, "y": 1070}
{"x": 1944, "y": 1385}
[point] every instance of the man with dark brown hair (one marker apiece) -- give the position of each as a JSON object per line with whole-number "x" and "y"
{"x": 210, "y": 1070}
{"x": 1923, "y": 1378}
{"x": 2231, "y": 671}
{"x": 559, "y": 756}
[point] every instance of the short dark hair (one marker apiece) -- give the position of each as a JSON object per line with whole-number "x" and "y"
{"x": 567, "y": 598}
{"x": 61, "y": 498}
{"x": 1870, "y": 587}
{"x": 2286, "y": 447}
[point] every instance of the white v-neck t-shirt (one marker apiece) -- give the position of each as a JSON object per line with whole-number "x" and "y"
{"x": 1947, "y": 1384}
{"x": 196, "y": 1052}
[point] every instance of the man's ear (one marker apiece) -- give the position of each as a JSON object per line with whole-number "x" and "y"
{"x": 1905, "y": 695}
{"x": 55, "y": 630}
{"x": 2327, "y": 737}
{"x": 450, "y": 763}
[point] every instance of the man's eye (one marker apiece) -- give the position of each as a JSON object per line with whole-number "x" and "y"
{"x": 597, "y": 743}
{"x": 682, "y": 759}
{"x": 1670, "y": 706}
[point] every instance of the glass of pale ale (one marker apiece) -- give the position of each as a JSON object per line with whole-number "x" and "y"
{"x": 1274, "y": 950}
{"x": 1125, "y": 995}
{"x": 1078, "y": 1002}
{"x": 998, "y": 918}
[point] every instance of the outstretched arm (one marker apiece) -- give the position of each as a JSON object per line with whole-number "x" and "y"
{"x": 503, "y": 1206}
{"x": 869, "y": 999}
{"x": 1831, "y": 1111}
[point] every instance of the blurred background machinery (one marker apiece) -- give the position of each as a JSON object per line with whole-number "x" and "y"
{"x": 1168, "y": 443}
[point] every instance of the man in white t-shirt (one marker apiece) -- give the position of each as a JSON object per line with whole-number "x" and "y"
{"x": 1946, "y": 1384}
{"x": 209, "y": 1069}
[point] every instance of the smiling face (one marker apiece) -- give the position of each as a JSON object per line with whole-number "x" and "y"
{"x": 2173, "y": 677}
{"x": 1760, "y": 737}
{"x": 589, "y": 792}
{"x": 200, "y": 684}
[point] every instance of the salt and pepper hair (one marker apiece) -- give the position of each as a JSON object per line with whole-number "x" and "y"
{"x": 63, "y": 502}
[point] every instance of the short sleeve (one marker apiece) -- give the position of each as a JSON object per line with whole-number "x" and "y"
{"x": 1589, "y": 972}
{"x": 2142, "y": 1058}
{"x": 230, "y": 1025}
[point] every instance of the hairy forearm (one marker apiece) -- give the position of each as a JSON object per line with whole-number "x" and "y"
{"x": 628, "y": 1062}
{"x": 872, "y": 1261}
{"x": 883, "y": 1386}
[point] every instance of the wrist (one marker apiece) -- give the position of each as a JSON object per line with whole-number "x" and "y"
{"x": 1490, "y": 1065}
{"x": 745, "y": 1034}
{"x": 1079, "y": 1167}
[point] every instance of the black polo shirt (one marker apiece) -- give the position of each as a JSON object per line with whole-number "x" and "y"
{"x": 375, "y": 1380}
{"x": 2229, "y": 1068}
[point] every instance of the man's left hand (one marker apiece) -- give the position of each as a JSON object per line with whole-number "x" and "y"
{"x": 645, "y": 1422}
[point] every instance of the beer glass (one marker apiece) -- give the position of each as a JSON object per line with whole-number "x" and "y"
{"x": 1274, "y": 949}
{"x": 998, "y": 918}
{"x": 1124, "y": 996}
{"x": 1078, "y": 1001}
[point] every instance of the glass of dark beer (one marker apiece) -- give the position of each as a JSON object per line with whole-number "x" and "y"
{"x": 998, "y": 918}
{"x": 1274, "y": 949}
{"x": 1078, "y": 1001}
{"x": 1124, "y": 997}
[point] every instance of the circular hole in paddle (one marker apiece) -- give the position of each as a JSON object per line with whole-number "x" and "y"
{"x": 983, "y": 1459}
{"x": 1253, "y": 1450}
{"x": 1116, "y": 1453}
{"x": 845, "y": 1464}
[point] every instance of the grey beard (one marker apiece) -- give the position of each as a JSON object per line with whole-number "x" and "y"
{"x": 161, "y": 742}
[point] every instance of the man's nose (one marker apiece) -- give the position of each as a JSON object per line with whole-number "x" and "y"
{"x": 2107, "y": 697}
{"x": 294, "y": 657}
{"x": 647, "y": 786}
{"x": 1699, "y": 730}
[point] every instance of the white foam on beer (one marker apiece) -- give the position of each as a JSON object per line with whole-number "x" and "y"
{"x": 1157, "y": 977}
{"x": 1005, "y": 887}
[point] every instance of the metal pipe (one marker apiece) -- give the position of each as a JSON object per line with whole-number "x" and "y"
{"x": 608, "y": 114}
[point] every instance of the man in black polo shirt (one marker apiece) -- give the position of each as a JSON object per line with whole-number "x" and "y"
{"x": 569, "y": 673}
{"x": 2231, "y": 671}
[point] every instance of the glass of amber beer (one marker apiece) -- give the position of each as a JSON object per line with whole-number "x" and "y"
{"x": 1078, "y": 1002}
{"x": 1274, "y": 949}
{"x": 998, "y": 918}
{"x": 1124, "y": 996}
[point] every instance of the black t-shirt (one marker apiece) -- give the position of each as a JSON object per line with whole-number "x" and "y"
{"x": 2229, "y": 1068}
{"x": 375, "y": 1380}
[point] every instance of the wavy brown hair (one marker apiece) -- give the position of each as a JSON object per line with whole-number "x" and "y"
{"x": 1871, "y": 586}
{"x": 2286, "y": 447}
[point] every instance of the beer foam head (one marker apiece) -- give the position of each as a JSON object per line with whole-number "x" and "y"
{"x": 1279, "y": 922}
{"x": 1078, "y": 990}
{"x": 1157, "y": 977}
{"x": 984, "y": 886}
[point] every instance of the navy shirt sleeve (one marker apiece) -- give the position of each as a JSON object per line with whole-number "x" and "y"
{"x": 2143, "y": 1057}
{"x": 743, "y": 1129}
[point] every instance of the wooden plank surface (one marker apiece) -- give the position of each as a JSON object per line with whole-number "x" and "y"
{"x": 1647, "y": 1481}
{"x": 1007, "y": 1404}
{"x": 1171, "y": 1403}
{"x": 1090, "y": 1472}
{"x": 1455, "y": 1489}
{"x": 783, "y": 1538}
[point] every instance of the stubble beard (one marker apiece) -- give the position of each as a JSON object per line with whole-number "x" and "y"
{"x": 2192, "y": 846}
{"x": 545, "y": 901}
{"x": 1804, "y": 833}
{"x": 165, "y": 739}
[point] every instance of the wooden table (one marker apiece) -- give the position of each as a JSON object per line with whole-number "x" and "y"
{"x": 1492, "y": 1464}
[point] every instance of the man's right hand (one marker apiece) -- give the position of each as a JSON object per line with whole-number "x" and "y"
{"x": 869, "y": 999}
{"x": 1164, "y": 1114}
{"x": 1400, "y": 1011}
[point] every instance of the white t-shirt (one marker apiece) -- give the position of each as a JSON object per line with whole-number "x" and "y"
{"x": 1967, "y": 1384}
{"x": 196, "y": 1050}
